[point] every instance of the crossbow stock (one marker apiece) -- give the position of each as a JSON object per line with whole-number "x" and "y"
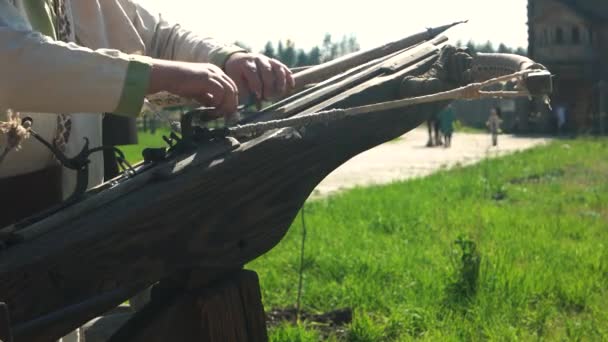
{"x": 217, "y": 199}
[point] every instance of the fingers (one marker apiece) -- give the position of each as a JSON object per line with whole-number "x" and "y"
{"x": 280, "y": 76}
{"x": 252, "y": 78}
{"x": 212, "y": 95}
{"x": 290, "y": 80}
{"x": 219, "y": 92}
{"x": 232, "y": 94}
{"x": 284, "y": 79}
{"x": 267, "y": 76}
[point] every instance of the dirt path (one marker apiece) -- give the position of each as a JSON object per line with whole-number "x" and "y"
{"x": 408, "y": 157}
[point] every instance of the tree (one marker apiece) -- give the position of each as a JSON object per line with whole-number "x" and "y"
{"x": 353, "y": 44}
{"x": 314, "y": 56}
{"x": 280, "y": 50}
{"x": 328, "y": 52}
{"x": 486, "y": 48}
{"x": 269, "y": 50}
{"x": 288, "y": 57}
{"x": 302, "y": 59}
{"x": 502, "y": 48}
{"x": 471, "y": 47}
{"x": 343, "y": 47}
{"x": 521, "y": 51}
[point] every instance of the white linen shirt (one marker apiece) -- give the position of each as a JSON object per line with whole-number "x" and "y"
{"x": 103, "y": 71}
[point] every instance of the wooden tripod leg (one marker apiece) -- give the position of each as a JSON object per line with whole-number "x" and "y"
{"x": 228, "y": 310}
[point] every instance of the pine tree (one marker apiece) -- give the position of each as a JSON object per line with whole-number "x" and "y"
{"x": 302, "y": 59}
{"x": 328, "y": 48}
{"x": 353, "y": 44}
{"x": 289, "y": 54}
{"x": 280, "y": 51}
{"x": 314, "y": 56}
{"x": 269, "y": 50}
{"x": 471, "y": 47}
{"x": 502, "y": 48}
{"x": 486, "y": 48}
{"x": 521, "y": 51}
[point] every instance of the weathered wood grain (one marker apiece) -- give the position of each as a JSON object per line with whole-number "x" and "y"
{"x": 387, "y": 65}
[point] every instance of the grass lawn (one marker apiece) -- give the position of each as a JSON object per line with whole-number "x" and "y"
{"x": 133, "y": 152}
{"x": 509, "y": 249}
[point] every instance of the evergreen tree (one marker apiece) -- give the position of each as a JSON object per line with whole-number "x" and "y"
{"x": 314, "y": 56}
{"x": 486, "y": 48}
{"x": 521, "y": 51}
{"x": 328, "y": 52}
{"x": 502, "y": 48}
{"x": 280, "y": 51}
{"x": 353, "y": 44}
{"x": 471, "y": 47}
{"x": 302, "y": 59}
{"x": 269, "y": 50}
{"x": 289, "y": 54}
{"x": 343, "y": 47}
{"x": 334, "y": 51}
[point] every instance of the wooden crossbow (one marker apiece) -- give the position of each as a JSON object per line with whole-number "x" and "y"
{"x": 214, "y": 201}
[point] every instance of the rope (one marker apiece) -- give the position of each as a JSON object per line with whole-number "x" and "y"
{"x": 15, "y": 133}
{"x": 472, "y": 91}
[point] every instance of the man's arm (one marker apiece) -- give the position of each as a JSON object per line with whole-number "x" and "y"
{"x": 252, "y": 73}
{"x": 40, "y": 74}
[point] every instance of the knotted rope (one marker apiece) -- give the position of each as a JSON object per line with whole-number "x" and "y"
{"x": 15, "y": 133}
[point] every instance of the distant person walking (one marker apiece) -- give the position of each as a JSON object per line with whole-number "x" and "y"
{"x": 446, "y": 123}
{"x": 493, "y": 124}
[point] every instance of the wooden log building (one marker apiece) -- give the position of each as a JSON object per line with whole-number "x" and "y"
{"x": 570, "y": 37}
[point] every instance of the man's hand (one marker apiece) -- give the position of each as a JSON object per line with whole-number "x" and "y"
{"x": 257, "y": 74}
{"x": 203, "y": 82}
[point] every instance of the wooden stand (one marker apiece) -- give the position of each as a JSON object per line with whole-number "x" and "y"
{"x": 229, "y": 309}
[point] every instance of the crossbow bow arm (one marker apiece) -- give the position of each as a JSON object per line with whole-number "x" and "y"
{"x": 491, "y": 65}
{"x": 213, "y": 204}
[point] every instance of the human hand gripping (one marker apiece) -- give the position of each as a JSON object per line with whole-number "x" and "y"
{"x": 256, "y": 74}
{"x": 205, "y": 83}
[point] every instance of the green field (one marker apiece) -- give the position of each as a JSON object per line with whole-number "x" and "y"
{"x": 509, "y": 249}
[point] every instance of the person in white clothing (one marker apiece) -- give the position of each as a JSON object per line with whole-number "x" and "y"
{"x": 64, "y": 62}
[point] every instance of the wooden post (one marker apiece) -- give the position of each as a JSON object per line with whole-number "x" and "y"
{"x": 228, "y": 310}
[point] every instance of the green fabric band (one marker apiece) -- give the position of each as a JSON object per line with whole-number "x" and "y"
{"x": 220, "y": 55}
{"x": 134, "y": 89}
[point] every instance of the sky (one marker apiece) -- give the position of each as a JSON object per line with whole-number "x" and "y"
{"x": 372, "y": 22}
